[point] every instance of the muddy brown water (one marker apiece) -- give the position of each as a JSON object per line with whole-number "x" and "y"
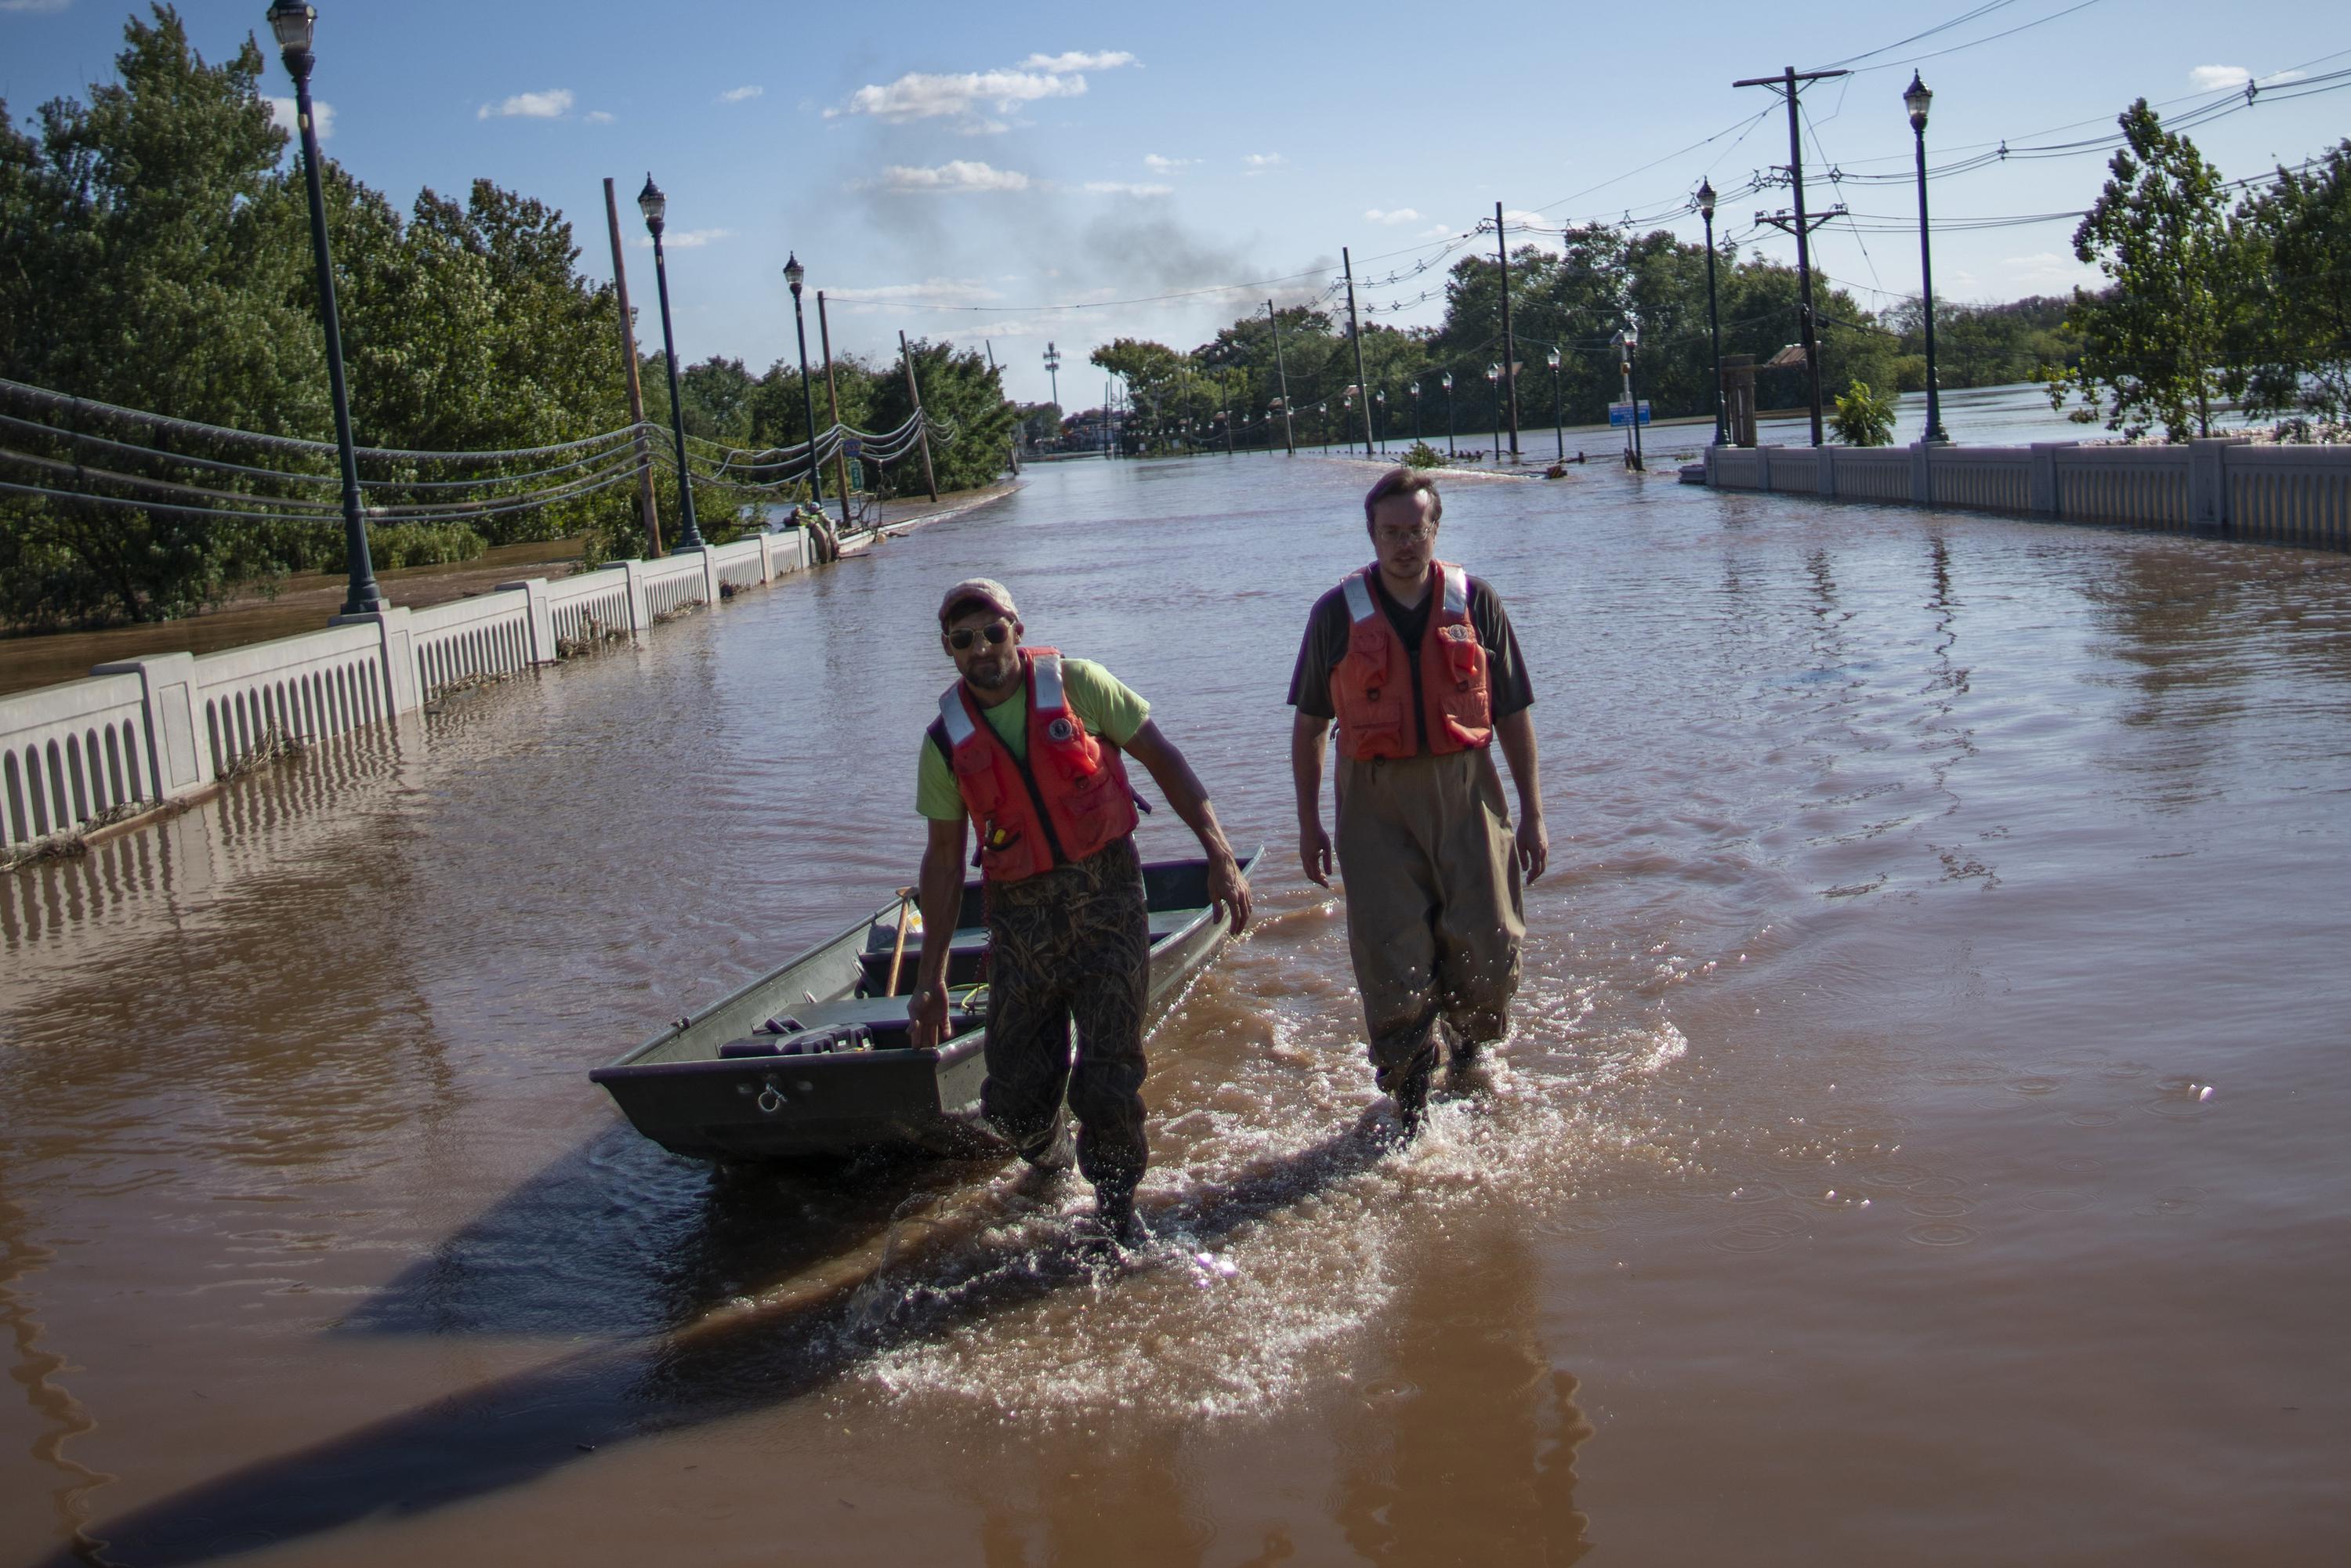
{"x": 1922, "y": 1139}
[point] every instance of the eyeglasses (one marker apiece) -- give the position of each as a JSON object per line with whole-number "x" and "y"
{"x": 1419, "y": 533}
{"x": 995, "y": 632}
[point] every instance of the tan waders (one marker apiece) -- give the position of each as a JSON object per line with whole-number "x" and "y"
{"x": 1434, "y": 917}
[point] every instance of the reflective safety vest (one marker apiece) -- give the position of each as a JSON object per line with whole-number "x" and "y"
{"x": 1067, "y": 800}
{"x": 1371, "y": 688}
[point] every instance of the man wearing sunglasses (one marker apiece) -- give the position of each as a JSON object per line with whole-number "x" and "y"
{"x": 1028, "y": 748}
{"x": 1416, "y": 660}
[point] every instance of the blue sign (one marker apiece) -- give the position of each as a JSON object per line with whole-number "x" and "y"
{"x": 851, "y": 447}
{"x": 1620, "y": 414}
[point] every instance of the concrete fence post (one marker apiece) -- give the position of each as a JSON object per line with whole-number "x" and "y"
{"x": 1763, "y": 466}
{"x": 398, "y": 652}
{"x": 709, "y": 559}
{"x": 767, "y": 557}
{"x": 175, "y": 766}
{"x": 542, "y": 617}
{"x": 2044, "y": 484}
{"x": 1712, "y": 482}
{"x": 641, "y": 616}
{"x": 1827, "y": 481}
{"x": 1922, "y": 478}
{"x": 2208, "y": 483}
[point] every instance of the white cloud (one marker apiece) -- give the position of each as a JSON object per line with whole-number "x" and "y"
{"x": 281, "y": 109}
{"x": 1400, "y": 215}
{"x": 1260, "y": 162}
{"x": 2213, "y": 79}
{"x": 957, "y": 174}
{"x": 934, "y": 95}
{"x": 1158, "y": 165}
{"x": 2047, "y": 269}
{"x": 1122, "y": 188}
{"x": 740, "y": 94}
{"x": 33, "y": 5}
{"x": 1079, "y": 60}
{"x": 1516, "y": 217}
{"x": 1433, "y": 231}
{"x": 936, "y": 291}
{"x": 601, "y": 117}
{"x": 550, "y": 105}
{"x": 688, "y": 239}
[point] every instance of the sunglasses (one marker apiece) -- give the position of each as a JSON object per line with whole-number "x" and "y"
{"x": 995, "y": 632}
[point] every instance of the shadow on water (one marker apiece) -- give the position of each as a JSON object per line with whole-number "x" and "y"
{"x": 941, "y": 1263}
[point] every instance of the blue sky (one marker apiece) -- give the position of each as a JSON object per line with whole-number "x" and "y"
{"x": 919, "y": 157}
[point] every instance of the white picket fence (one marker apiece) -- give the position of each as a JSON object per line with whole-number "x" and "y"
{"x": 146, "y": 731}
{"x": 2283, "y": 494}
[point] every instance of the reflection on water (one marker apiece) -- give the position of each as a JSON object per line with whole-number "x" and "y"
{"x": 1936, "y": 900}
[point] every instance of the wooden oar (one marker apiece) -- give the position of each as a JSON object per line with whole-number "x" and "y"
{"x": 898, "y": 951}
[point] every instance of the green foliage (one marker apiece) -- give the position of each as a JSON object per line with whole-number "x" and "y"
{"x": 318, "y": 547}
{"x": 1421, "y": 455}
{"x": 2294, "y": 342}
{"x": 2152, "y": 339}
{"x": 1863, "y": 417}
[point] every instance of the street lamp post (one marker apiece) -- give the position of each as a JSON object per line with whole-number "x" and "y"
{"x": 793, "y": 275}
{"x": 1558, "y": 405}
{"x": 1494, "y": 379}
{"x": 1915, "y": 98}
{"x": 292, "y": 21}
{"x": 1416, "y": 414}
{"x": 1381, "y": 398}
{"x": 1446, "y": 381}
{"x": 656, "y": 206}
{"x": 1713, "y": 320}
{"x": 1629, "y": 341}
{"x": 1053, "y": 368}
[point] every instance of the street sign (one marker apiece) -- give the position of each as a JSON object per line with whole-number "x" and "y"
{"x": 852, "y": 447}
{"x": 1620, "y": 414}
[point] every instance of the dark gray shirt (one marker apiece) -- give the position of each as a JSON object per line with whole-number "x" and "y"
{"x": 1326, "y": 643}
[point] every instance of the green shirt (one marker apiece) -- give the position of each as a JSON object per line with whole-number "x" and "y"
{"x": 1100, "y": 700}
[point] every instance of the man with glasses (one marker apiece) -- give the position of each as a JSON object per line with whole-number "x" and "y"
{"x": 1028, "y": 748}
{"x": 1417, "y": 662}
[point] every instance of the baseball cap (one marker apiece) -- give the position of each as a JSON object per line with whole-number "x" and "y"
{"x": 984, "y": 588}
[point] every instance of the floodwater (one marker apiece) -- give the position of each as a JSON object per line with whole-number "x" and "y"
{"x": 1921, "y": 1141}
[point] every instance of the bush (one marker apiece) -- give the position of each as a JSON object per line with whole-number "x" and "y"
{"x": 391, "y": 545}
{"x": 1424, "y": 455}
{"x": 1863, "y": 418}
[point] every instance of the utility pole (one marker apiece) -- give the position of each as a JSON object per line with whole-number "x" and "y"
{"x": 1355, "y": 330}
{"x": 922, "y": 421}
{"x": 1789, "y": 83}
{"x": 636, "y": 389}
{"x": 1289, "y": 434}
{"x": 1509, "y": 343}
{"x": 832, "y": 396}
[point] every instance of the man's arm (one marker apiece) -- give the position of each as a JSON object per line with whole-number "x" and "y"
{"x": 1308, "y": 737}
{"x": 1517, "y": 733}
{"x": 941, "y": 888}
{"x": 1227, "y": 889}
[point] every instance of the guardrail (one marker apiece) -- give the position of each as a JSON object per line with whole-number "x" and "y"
{"x": 145, "y": 732}
{"x": 2282, "y": 495}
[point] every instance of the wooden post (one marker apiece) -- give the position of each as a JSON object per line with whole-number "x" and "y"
{"x": 636, "y": 389}
{"x": 922, "y": 425}
{"x": 833, "y": 395}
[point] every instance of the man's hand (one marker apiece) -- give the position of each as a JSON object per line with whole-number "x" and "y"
{"x": 928, "y": 1009}
{"x": 1314, "y": 853}
{"x": 1229, "y": 890}
{"x": 1534, "y": 848}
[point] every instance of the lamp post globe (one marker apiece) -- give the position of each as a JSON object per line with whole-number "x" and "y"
{"x": 1558, "y": 404}
{"x": 1916, "y": 99}
{"x": 794, "y": 274}
{"x": 655, "y": 207}
{"x": 291, "y": 23}
{"x": 1446, "y": 381}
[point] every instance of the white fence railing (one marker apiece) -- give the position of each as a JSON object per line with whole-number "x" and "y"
{"x": 2286, "y": 494}
{"x": 150, "y": 730}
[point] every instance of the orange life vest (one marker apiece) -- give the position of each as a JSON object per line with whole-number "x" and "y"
{"x": 1371, "y": 688}
{"x": 1067, "y": 800}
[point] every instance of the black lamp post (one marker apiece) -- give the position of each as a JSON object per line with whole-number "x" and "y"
{"x": 1632, "y": 386}
{"x": 793, "y": 274}
{"x": 1915, "y": 98}
{"x": 1446, "y": 381}
{"x": 1416, "y": 412}
{"x": 1380, "y": 398}
{"x": 1713, "y": 320}
{"x": 292, "y": 21}
{"x": 1558, "y": 405}
{"x": 1494, "y": 379}
{"x": 656, "y": 206}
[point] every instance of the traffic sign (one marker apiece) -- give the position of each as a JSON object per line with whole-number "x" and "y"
{"x": 851, "y": 447}
{"x": 1620, "y": 414}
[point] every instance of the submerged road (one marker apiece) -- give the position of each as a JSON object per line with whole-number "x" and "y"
{"x": 1921, "y": 1139}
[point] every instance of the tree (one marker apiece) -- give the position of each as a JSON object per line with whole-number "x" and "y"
{"x": 1863, "y": 418}
{"x": 2152, "y": 339}
{"x": 2295, "y": 341}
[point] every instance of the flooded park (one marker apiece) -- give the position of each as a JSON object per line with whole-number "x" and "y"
{"x": 1920, "y": 1138}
